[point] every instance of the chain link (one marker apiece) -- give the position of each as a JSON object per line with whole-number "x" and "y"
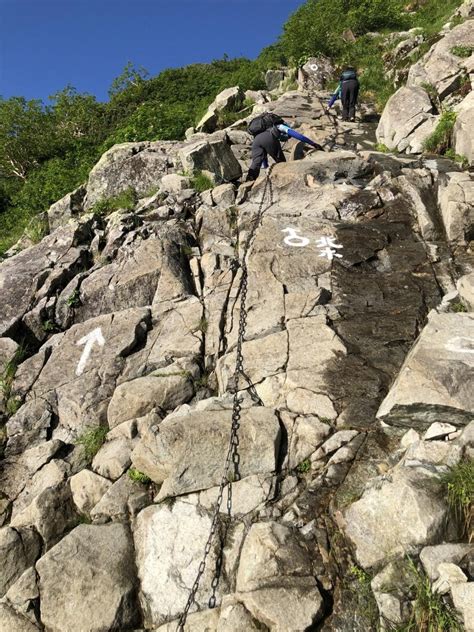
{"x": 233, "y": 456}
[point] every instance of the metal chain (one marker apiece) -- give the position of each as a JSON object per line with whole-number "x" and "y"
{"x": 233, "y": 449}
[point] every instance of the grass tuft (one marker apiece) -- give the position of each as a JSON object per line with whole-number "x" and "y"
{"x": 201, "y": 182}
{"x": 92, "y": 440}
{"x": 126, "y": 200}
{"x": 304, "y": 466}
{"x": 459, "y": 484}
{"x": 440, "y": 140}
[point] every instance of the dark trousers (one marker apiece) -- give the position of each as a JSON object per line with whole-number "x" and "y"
{"x": 264, "y": 144}
{"x": 349, "y": 94}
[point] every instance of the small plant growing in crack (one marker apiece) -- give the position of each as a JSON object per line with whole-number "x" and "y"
{"x": 304, "y": 466}
{"x": 138, "y": 477}
{"x": 92, "y": 440}
{"x": 74, "y": 299}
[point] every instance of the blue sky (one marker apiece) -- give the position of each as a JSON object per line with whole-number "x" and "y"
{"x": 47, "y": 44}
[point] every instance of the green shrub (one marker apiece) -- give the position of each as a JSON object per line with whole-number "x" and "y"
{"x": 439, "y": 141}
{"x": 92, "y": 440}
{"x": 452, "y": 155}
{"x": 200, "y": 182}
{"x": 138, "y": 477}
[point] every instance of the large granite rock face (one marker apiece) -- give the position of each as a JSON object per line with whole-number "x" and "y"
{"x": 408, "y": 112}
{"x": 434, "y": 383}
{"x": 441, "y": 67}
{"x": 125, "y": 410}
{"x": 69, "y": 574}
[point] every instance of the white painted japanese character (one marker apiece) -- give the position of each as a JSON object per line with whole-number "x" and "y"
{"x": 327, "y": 246}
{"x": 293, "y": 239}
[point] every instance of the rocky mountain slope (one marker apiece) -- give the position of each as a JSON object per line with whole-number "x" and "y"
{"x": 341, "y": 284}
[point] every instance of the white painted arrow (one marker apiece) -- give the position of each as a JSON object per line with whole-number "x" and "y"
{"x": 94, "y": 336}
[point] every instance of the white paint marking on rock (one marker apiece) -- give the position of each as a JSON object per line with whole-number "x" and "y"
{"x": 327, "y": 246}
{"x": 89, "y": 340}
{"x": 293, "y": 239}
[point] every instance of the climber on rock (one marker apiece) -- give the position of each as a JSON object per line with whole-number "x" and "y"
{"x": 270, "y": 131}
{"x": 347, "y": 91}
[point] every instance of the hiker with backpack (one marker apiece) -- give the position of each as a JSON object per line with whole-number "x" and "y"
{"x": 347, "y": 91}
{"x": 266, "y": 142}
{"x": 269, "y": 131}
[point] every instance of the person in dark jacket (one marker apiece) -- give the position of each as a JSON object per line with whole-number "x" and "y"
{"x": 348, "y": 91}
{"x": 265, "y": 144}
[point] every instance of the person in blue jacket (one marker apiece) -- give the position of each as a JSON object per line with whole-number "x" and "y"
{"x": 348, "y": 92}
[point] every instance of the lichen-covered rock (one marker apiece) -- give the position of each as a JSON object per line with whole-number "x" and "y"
{"x": 87, "y": 489}
{"x": 229, "y": 99}
{"x": 67, "y": 207}
{"x": 70, "y": 572}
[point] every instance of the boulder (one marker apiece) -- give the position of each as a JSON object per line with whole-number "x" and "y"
{"x": 432, "y": 556}
{"x": 28, "y": 276}
{"x": 273, "y": 78}
{"x": 67, "y": 207}
{"x": 315, "y": 73}
{"x": 405, "y": 111}
{"x": 169, "y": 543}
{"x": 465, "y": 287}
{"x": 275, "y": 579}
{"x": 137, "y": 166}
{"x": 229, "y": 100}
{"x": 463, "y": 599}
{"x": 23, "y": 595}
{"x": 463, "y": 132}
{"x": 212, "y": 156}
{"x": 113, "y": 458}
{"x": 12, "y": 621}
{"x": 174, "y": 183}
{"x": 71, "y": 572}
{"x": 121, "y": 502}
{"x": 163, "y": 389}
{"x": 19, "y": 550}
{"x": 178, "y": 453}
{"x": 395, "y": 516}
{"x": 8, "y": 349}
{"x": 434, "y": 383}
{"x": 440, "y": 67}
{"x": 87, "y": 489}
{"x": 456, "y": 202}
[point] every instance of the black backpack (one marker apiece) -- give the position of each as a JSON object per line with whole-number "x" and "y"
{"x": 348, "y": 74}
{"x": 263, "y": 122}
